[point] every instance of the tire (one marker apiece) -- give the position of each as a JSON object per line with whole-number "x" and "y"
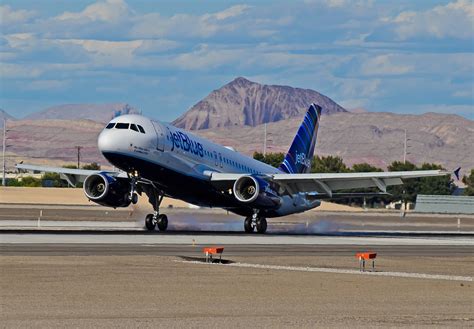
{"x": 162, "y": 222}
{"x": 248, "y": 225}
{"x": 261, "y": 225}
{"x": 134, "y": 198}
{"x": 150, "y": 222}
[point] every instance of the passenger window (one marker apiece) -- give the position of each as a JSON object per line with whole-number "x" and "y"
{"x": 141, "y": 129}
{"x": 121, "y": 125}
{"x": 133, "y": 127}
{"x": 110, "y": 125}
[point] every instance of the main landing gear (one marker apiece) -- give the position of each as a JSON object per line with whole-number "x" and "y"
{"x": 153, "y": 220}
{"x": 255, "y": 222}
{"x": 156, "y": 219}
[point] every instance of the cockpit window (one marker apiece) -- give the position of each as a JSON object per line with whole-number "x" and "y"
{"x": 110, "y": 125}
{"x": 133, "y": 127}
{"x": 141, "y": 129}
{"x": 122, "y": 125}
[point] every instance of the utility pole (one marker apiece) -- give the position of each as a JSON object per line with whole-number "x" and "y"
{"x": 265, "y": 139}
{"x": 4, "y": 180}
{"x": 79, "y": 156}
{"x": 405, "y": 148}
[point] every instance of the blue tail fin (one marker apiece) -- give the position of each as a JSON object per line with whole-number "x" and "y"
{"x": 298, "y": 159}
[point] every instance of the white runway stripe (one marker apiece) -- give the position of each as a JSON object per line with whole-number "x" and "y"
{"x": 343, "y": 271}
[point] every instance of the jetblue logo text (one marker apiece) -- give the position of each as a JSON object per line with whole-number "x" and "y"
{"x": 301, "y": 159}
{"x": 182, "y": 141}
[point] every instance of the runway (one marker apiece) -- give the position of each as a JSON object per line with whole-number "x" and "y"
{"x": 97, "y": 230}
{"x": 212, "y": 220}
{"x": 112, "y": 273}
{"x": 89, "y": 249}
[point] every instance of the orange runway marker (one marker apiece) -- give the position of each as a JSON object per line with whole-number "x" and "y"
{"x": 210, "y": 251}
{"x": 366, "y": 256}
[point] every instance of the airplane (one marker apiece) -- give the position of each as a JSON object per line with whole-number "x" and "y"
{"x": 159, "y": 160}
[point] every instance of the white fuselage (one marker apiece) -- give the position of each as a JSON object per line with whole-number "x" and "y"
{"x": 161, "y": 150}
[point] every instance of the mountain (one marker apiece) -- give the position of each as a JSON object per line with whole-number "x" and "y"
{"x": 245, "y": 103}
{"x": 232, "y": 116}
{"x": 95, "y": 112}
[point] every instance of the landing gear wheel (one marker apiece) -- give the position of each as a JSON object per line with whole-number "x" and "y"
{"x": 134, "y": 198}
{"x": 248, "y": 227}
{"x": 162, "y": 222}
{"x": 261, "y": 225}
{"x": 150, "y": 222}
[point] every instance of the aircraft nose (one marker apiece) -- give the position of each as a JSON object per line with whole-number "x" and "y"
{"x": 105, "y": 142}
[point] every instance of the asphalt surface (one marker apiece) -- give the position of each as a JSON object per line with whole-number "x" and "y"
{"x": 70, "y": 249}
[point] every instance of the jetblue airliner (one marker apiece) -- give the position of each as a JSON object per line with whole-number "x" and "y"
{"x": 159, "y": 160}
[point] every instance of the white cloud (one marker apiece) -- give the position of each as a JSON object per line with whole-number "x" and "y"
{"x": 107, "y": 11}
{"x": 20, "y": 40}
{"x": 206, "y": 58}
{"x": 385, "y": 65}
{"x": 455, "y": 19}
{"x": 47, "y": 85}
{"x": 230, "y": 12}
{"x": 189, "y": 26}
{"x": 464, "y": 93}
{"x": 336, "y": 4}
{"x": 16, "y": 71}
{"x": 359, "y": 88}
{"x": 8, "y": 16}
{"x": 107, "y": 53}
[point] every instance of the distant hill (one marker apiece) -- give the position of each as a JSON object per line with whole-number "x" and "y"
{"x": 95, "y": 112}
{"x": 245, "y": 103}
{"x": 374, "y": 137}
{"x": 4, "y": 115}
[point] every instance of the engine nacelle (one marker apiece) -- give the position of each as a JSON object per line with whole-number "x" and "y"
{"x": 107, "y": 191}
{"x": 256, "y": 192}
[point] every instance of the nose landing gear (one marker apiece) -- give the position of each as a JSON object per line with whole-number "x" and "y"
{"x": 133, "y": 196}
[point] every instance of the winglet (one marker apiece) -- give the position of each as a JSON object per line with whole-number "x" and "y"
{"x": 456, "y": 172}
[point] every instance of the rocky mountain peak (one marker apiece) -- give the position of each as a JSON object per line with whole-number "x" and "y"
{"x": 242, "y": 102}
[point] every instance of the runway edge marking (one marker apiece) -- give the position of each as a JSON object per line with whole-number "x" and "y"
{"x": 342, "y": 271}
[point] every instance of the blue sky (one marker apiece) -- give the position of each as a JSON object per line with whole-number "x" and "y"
{"x": 164, "y": 56}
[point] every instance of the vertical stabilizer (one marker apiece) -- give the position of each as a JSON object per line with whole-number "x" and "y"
{"x": 298, "y": 159}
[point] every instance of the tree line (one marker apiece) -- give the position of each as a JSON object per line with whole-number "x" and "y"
{"x": 407, "y": 192}
{"x": 324, "y": 164}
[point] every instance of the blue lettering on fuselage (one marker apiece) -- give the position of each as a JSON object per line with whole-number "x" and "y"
{"x": 182, "y": 141}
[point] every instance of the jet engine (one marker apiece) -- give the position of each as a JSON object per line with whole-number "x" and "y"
{"x": 107, "y": 190}
{"x": 256, "y": 192}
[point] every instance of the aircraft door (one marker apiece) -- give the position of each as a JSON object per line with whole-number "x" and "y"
{"x": 160, "y": 136}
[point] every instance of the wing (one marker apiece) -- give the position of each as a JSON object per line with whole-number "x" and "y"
{"x": 72, "y": 176}
{"x": 328, "y": 184}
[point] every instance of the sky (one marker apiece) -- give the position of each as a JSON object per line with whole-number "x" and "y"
{"x": 162, "y": 57}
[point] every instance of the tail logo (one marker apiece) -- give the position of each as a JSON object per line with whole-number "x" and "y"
{"x": 301, "y": 159}
{"x": 298, "y": 158}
